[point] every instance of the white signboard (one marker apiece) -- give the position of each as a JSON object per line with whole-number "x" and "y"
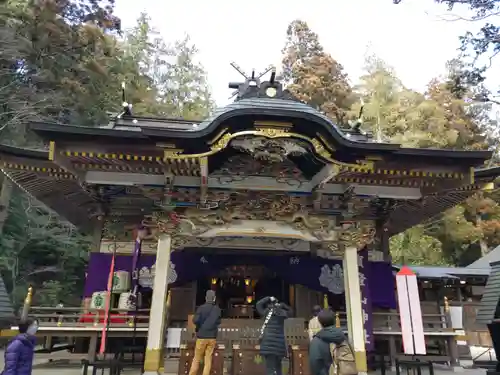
{"x": 410, "y": 312}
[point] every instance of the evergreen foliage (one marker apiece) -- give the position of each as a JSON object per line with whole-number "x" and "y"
{"x": 65, "y": 61}
{"x": 445, "y": 116}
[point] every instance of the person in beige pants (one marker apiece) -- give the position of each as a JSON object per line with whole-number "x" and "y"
{"x": 207, "y": 320}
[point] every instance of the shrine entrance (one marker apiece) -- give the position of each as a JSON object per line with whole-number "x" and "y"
{"x": 239, "y": 287}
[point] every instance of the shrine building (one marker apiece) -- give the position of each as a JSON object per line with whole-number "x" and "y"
{"x": 265, "y": 197}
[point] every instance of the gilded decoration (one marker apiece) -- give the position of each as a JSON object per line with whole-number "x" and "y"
{"x": 290, "y": 210}
{"x": 253, "y": 242}
{"x": 241, "y": 167}
{"x": 351, "y": 234}
{"x": 274, "y": 133}
{"x": 357, "y": 233}
{"x": 270, "y": 150}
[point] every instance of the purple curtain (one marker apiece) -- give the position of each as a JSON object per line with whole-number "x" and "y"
{"x": 315, "y": 273}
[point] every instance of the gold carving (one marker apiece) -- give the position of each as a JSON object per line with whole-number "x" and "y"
{"x": 221, "y": 143}
{"x": 357, "y": 234}
{"x": 284, "y": 209}
{"x": 273, "y": 132}
{"x": 274, "y": 124}
{"x": 213, "y": 140}
{"x": 171, "y": 153}
{"x": 274, "y": 150}
{"x": 320, "y": 149}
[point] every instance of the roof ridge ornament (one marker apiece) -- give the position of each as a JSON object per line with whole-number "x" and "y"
{"x": 253, "y": 87}
{"x": 126, "y": 107}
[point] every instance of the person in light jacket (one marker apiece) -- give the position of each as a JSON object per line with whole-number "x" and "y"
{"x": 272, "y": 338}
{"x": 20, "y": 350}
{"x": 207, "y": 319}
{"x": 314, "y": 327}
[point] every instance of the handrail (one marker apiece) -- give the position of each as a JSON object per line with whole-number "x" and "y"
{"x": 483, "y": 353}
{"x": 71, "y": 316}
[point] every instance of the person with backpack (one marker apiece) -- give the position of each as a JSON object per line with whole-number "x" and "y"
{"x": 207, "y": 319}
{"x": 324, "y": 344}
{"x": 20, "y": 350}
{"x": 272, "y": 334}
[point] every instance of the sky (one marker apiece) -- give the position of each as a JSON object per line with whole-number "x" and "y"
{"x": 412, "y": 37}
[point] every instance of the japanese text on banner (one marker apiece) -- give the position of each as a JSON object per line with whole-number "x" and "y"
{"x": 366, "y": 303}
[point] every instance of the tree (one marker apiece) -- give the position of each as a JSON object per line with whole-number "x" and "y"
{"x": 439, "y": 118}
{"x": 36, "y": 248}
{"x": 170, "y": 82}
{"x": 380, "y": 91}
{"x": 414, "y": 246}
{"x": 185, "y": 91}
{"x": 479, "y": 48}
{"x": 302, "y": 44}
{"x": 313, "y": 76}
{"x": 63, "y": 61}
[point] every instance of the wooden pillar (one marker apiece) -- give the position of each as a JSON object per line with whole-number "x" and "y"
{"x": 153, "y": 360}
{"x": 291, "y": 297}
{"x": 355, "y": 320}
{"x": 451, "y": 341}
{"x": 383, "y": 240}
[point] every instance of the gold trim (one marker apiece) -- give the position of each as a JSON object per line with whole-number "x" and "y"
{"x": 489, "y": 186}
{"x": 29, "y": 296}
{"x": 277, "y": 124}
{"x": 472, "y": 176}
{"x": 216, "y": 138}
{"x": 320, "y": 149}
{"x": 257, "y": 233}
{"x": 8, "y": 333}
{"x": 322, "y": 139}
{"x": 153, "y": 360}
{"x": 360, "y": 358}
{"x": 171, "y": 153}
{"x": 52, "y": 150}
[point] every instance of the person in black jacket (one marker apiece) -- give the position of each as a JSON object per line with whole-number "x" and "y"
{"x": 272, "y": 335}
{"x": 320, "y": 357}
{"x": 207, "y": 321}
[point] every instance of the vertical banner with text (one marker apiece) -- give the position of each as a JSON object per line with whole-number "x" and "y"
{"x": 366, "y": 302}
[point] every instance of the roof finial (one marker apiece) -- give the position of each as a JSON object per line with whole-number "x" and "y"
{"x": 252, "y": 86}
{"x": 126, "y": 107}
{"x": 356, "y": 125}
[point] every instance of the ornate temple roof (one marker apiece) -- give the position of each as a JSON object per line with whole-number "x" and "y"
{"x": 260, "y": 146}
{"x": 147, "y": 129}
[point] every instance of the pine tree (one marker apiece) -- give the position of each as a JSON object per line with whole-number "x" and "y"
{"x": 313, "y": 76}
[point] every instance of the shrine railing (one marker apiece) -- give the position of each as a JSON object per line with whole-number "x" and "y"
{"x": 76, "y": 316}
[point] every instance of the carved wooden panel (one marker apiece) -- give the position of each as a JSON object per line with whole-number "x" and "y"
{"x": 187, "y": 353}
{"x": 182, "y": 301}
{"x": 248, "y": 361}
{"x": 299, "y": 360}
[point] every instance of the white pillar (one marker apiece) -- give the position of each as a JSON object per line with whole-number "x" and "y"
{"x": 355, "y": 319}
{"x": 156, "y": 331}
